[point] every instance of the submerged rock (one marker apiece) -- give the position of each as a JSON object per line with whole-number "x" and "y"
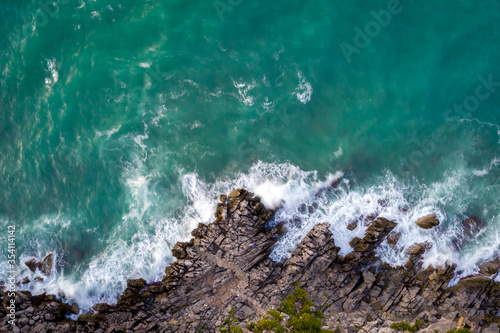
{"x": 470, "y": 228}
{"x": 428, "y": 221}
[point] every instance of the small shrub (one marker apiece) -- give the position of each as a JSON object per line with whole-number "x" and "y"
{"x": 459, "y": 330}
{"x": 405, "y": 327}
{"x": 288, "y": 305}
{"x": 228, "y": 322}
{"x": 275, "y": 314}
{"x": 268, "y": 325}
{"x": 299, "y": 292}
{"x": 319, "y": 314}
{"x": 305, "y": 322}
{"x": 396, "y": 327}
{"x": 298, "y": 307}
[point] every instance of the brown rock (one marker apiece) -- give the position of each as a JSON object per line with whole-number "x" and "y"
{"x": 136, "y": 283}
{"x": 101, "y": 307}
{"x": 179, "y": 250}
{"x": 32, "y": 264}
{"x": 234, "y": 194}
{"x": 352, "y": 225}
{"x": 490, "y": 268}
{"x": 428, "y": 221}
{"x": 74, "y": 309}
{"x": 393, "y": 238}
{"x": 418, "y": 248}
{"x": 46, "y": 265}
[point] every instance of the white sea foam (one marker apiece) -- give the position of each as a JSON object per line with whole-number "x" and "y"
{"x": 54, "y": 75}
{"x": 304, "y": 90}
{"x": 243, "y": 91}
{"x": 140, "y": 138}
{"x": 110, "y": 132}
{"x": 483, "y": 172}
{"x": 339, "y": 152}
{"x": 140, "y": 246}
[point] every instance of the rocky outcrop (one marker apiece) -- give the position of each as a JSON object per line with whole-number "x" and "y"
{"x": 428, "y": 222}
{"x": 40, "y": 313}
{"x": 490, "y": 268}
{"x": 45, "y": 266}
{"x": 226, "y": 266}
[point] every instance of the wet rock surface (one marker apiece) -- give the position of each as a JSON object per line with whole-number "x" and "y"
{"x": 428, "y": 222}
{"x": 226, "y": 265}
{"x": 45, "y": 266}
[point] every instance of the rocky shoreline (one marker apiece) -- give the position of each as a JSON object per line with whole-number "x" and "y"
{"x": 225, "y": 272}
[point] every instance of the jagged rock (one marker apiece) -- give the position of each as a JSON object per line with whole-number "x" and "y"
{"x": 74, "y": 308}
{"x": 32, "y": 264}
{"x": 226, "y": 265}
{"x": 45, "y": 266}
{"x": 416, "y": 251}
{"x": 40, "y": 313}
{"x": 352, "y": 225}
{"x": 393, "y": 238}
{"x": 234, "y": 194}
{"x": 178, "y": 250}
{"x": 490, "y": 268}
{"x": 428, "y": 221}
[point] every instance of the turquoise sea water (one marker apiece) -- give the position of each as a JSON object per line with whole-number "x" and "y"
{"x": 122, "y": 121}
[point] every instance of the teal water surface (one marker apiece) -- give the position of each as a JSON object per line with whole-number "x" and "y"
{"x": 122, "y": 121}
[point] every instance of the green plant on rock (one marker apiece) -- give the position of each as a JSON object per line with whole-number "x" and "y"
{"x": 229, "y": 324}
{"x": 276, "y": 315}
{"x": 459, "y": 330}
{"x": 405, "y": 327}
{"x": 300, "y": 310}
{"x": 304, "y": 322}
{"x": 360, "y": 328}
{"x": 266, "y": 324}
{"x": 288, "y": 305}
